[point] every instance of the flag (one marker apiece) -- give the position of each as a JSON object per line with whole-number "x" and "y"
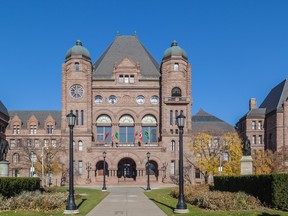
{"x": 107, "y": 135}
{"x": 116, "y": 135}
{"x": 146, "y": 134}
{"x": 140, "y": 136}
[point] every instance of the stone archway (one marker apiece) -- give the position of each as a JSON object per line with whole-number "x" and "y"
{"x": 126, "y": 168}
{"x": 99, "y": 168}
{"x": 153, "y": 168}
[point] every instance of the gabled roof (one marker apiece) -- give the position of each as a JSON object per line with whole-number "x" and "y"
{"x": 276, "y": 97}
{"x": 126, "y": 46}
{"x": 40, "y": 115}
{"x": 4, "y": 111}
{"x": 205, "y": 122}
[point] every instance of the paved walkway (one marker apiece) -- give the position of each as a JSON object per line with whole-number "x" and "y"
{"x": 126, "y": 201}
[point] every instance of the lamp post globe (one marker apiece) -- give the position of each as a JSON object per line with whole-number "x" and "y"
{"x": 181, "y": 206}
{"x": 104, "y": 188}
{"x": 71, "y": 207}
{"x": 148, "y": 172}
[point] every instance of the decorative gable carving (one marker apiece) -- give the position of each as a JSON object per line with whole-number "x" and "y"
{"x": 49, "y": 121}
{"x": 32, "y": 121}
{"x": 15, "y": 121}
{"x": 126, "y": 64}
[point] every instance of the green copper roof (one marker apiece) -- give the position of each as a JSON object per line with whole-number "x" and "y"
{"x": 78, "y": 51}
{"x": 174, "y": 50}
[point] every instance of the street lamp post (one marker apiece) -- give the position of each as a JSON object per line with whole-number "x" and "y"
{"x": 104, "y": 172}
{"x": 148, "y": 175}
{"x": 71, "y": 207}
{"x": 181, "y": 205}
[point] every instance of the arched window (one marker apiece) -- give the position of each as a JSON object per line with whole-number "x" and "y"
{"x": 15, "y": 158}
{"x": 103, "y": 129}
{"x": 172, "y": 145}
{"x": 149, "y": 129}
{"x": 176, "y": 92}
{"x": 225, "y": 156}
{"x": 176, "y": 67}
{"x": 80, "y": 145}
{"x": 126, "y": 129}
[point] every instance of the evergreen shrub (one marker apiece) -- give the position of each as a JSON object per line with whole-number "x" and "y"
{"x": 11, "y": 186}
{"x": 271, "y": 190}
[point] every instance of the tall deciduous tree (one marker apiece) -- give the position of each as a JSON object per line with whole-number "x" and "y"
{"x": 212, "y": 152}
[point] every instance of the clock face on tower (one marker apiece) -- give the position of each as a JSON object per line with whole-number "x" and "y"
{"x": 76, "y": 91}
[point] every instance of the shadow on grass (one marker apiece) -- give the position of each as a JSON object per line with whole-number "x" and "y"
{"x": 172, "y": 208}
{"x": 83, "y": 200}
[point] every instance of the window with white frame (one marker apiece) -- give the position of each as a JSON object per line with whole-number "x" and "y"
{"x": 46, "y": 142}
{"x": 149, "y": 129}
{"x": 33, "y": 129}
{"x": 103, "y": 129}
{"x": 15, "y": 158}
{"x": 50, "y": 129}
{"x": 254, "y": 139}
{"x": 176, "y": 67}
{"x": 172, "y": 145}
{"x": 260, "y": 139}
{"x": 132, "y": 79}
{"x": 121, "y": 79}
{"x": 29, "y": 143}
{"x": 16, "y": 129}
{"x": 80, "y": 167}
{"x": 225, "y": 156}
{"x": 12, "y": 143}
{"x": 259, "y": 125}
{"x": 253, "y": 125}
{"x": 77, "y": 66}
{"x": 54, "y": 143}
{"x": 172, "y": 167}
{"x": 80, "y": 145}
{"x": 37, "y": 143}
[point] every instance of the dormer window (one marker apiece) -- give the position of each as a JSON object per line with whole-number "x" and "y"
{"x": 126, "y": 80}
{"x": 132, "y": 79}
{"x": 49, "y": 129}
{"x": 16, "y": 129}
{"x": 176, "y": 67}
{"x": 77, "y": 66}
{"x": 121, "y": 80}
{"x": 33, "y": 129}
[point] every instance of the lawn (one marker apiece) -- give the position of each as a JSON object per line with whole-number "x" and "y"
{"x": 88, "y": 199}
{"x": 165, "y": 202}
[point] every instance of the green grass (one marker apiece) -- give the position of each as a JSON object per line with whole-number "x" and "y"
{"x": 167, "y": 204}
{"x": 89, "y": 198}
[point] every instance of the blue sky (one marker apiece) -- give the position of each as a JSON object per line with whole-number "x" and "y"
{"x": 238, "y": 49}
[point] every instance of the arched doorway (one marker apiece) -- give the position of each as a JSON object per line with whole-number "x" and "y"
{"x": 153, "y": 169}
{"x": 127, "y": 168}
{"x": 99, "y": 168}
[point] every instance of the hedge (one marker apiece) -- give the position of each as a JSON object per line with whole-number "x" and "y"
{"x": 272, "y": 190}
{"x": 11, "y": 186}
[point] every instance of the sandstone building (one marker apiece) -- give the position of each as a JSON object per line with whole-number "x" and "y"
{"x": 266, "y": 127}
{"x": 125, "y": 104}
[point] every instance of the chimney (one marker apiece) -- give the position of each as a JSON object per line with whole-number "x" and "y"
{"x": 252, "y": 103}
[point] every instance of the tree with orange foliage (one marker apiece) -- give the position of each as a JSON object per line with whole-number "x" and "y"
{"x": 210, "y": 153}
